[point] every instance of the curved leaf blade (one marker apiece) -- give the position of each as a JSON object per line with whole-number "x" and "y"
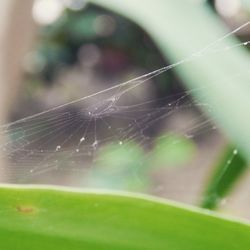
{"x": 45, "y": 218}
{"x": 227, "y": 172}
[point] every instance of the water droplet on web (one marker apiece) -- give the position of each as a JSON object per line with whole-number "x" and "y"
{"x": 120, "y": 142}
{"x": 235, "y": 152}
{"x": 82, "y": 139}
{"x": 95, "y": 144}
{"x": 58, "y": 148}
{"x": 77, "y": 150}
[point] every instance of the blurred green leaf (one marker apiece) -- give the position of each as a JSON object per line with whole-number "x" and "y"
{"x": 125, "y": 166}
{"x": 119, "y": 166}
{"x": 171, "y": 150}
{"x": 120, "y": 157}
{"x": 42, "y": 218}
{"x": 181, "y": 28}
{"x": 83, "y": 27}
{"x": 228, "y": 170}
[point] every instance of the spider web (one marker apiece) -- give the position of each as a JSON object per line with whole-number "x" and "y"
{"x": 73, "y": 135}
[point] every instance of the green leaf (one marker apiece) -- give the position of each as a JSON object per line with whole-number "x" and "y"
{"x": 228, "y": 170}
{"x": 171, "y": 150}
{"x": 120, "y": 158}
{"x": 49, "y": 218}
{"x": 119, "y": 166}
{"x": 125, "y": 166}
{"x": 220, "y": 80}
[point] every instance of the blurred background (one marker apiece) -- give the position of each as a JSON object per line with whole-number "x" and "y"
{"x": 56, "y": 51}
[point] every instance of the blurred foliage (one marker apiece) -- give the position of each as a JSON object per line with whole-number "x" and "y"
{"x": 119, "y": 167}
{"x": 61, "y": 42}
{"x": 61, "y": 46}
{"x": 172, "y": 150}
{"x": 127, "y": 166}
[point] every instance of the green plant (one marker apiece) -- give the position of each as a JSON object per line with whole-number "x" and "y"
{"x": 48, "y": 218}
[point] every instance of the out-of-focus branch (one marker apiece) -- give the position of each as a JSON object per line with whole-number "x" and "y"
{"x": 16, "y": 33}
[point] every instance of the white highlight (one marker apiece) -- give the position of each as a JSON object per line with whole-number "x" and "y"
{"x": 47, "y": 11}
